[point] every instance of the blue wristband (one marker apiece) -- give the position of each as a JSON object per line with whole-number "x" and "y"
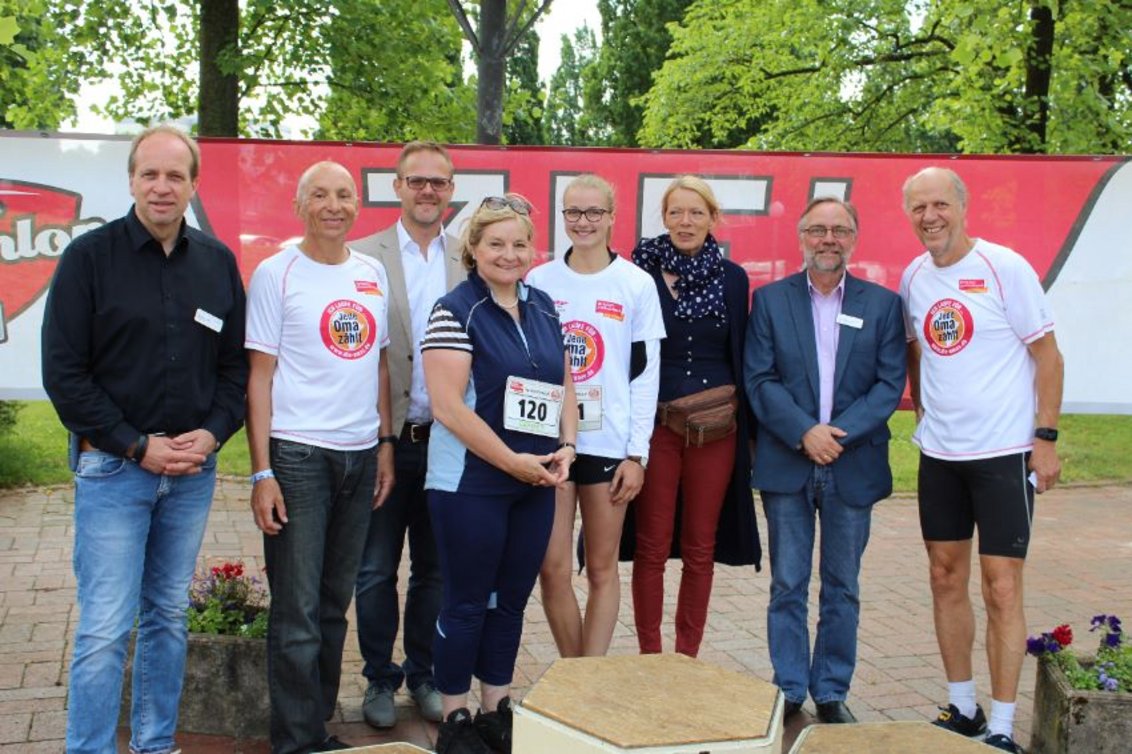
{"x": 259, "y": 476}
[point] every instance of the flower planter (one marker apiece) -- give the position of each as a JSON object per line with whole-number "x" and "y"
{"x": 1071, "y": 721}
{"x": 225, "y": 690}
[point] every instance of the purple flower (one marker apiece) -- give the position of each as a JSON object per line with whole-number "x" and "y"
{"x": 1036, "y": 646}
{"x": 1110, "y": 684}
{"x": 1111, "y": 640}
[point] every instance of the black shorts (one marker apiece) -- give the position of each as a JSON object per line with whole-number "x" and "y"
{"x": 589, "y": 469}
{"x": 993, "y": 494}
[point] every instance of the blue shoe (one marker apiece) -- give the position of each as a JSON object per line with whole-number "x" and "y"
{"x": 1004, "y": 743}
{"x": 953, "y": 720}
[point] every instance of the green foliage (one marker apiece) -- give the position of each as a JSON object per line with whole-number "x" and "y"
{"x": 395, "y": 74}
{"x": 1109, "y": 670}
{"x": 892, "y": 75}
{"x": 523, "y": 99}
{"x": 9, "y": 410}
{"x": 38, "y": 67}
{"x": 224, "y": 601}
{"x": 634, "y": 41}
{"x": 567, "y": 121}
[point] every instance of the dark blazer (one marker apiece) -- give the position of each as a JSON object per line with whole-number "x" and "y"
{"x": 737, "y": 536}
{"x": 781, "y": 368}
{"x": 386, "y": 247}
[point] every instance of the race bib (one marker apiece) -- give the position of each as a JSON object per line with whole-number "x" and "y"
{"x": 589, "y": 407}
{"x": 533, "y": 407}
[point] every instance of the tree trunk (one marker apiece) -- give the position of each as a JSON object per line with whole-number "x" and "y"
{"x": 1039, "y": 55}
{"x": 491, "y": 70}
{"x": 219, "y": 104}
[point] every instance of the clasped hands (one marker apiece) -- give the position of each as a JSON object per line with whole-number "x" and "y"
{"x": 820, "y": 443}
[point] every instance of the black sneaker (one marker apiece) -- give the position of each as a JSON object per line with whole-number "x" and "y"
{"x": 457, "y": 735}
{"x": 1004, "y": 743}
{"x": 333, "y": 744}
{"x": 953, "y": 720}
{"x": 495, "y": 727}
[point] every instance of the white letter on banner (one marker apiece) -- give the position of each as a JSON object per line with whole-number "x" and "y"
{"x": 471, "y": 189}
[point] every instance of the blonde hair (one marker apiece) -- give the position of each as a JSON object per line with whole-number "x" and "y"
{"x": 696, "y": 185}
{"x": 484, "y": 216}
{"x": 593, "y": 181}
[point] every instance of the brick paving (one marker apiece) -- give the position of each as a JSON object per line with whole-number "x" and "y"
{"x": 1079, "y": 566}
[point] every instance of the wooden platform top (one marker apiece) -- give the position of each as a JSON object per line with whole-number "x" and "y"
{"x": 653, "y": 700}
{"x": 883, "y": 738}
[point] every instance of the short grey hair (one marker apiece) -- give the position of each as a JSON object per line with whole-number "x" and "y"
{"x": 845, "y": 204}
{"x": 956, "y": 183}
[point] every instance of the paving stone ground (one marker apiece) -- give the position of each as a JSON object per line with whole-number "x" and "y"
{"x": 1079, "y": 566}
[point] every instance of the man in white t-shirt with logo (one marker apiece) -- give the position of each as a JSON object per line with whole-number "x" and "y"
{"x": 986, "y": 381}
{"x": 318, "y": 400}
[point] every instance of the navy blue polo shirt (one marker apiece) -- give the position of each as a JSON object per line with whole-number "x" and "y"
{"x": 467, "y": 319}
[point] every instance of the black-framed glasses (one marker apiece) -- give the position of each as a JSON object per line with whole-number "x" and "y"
{"x": 418, "y": 182}
{"x": 504, "y": 202}
{"x": 593, "y": 214}
{"x": 839, "y": 231}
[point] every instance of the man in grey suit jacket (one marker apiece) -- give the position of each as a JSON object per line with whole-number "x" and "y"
{"x": 422, "y": 263}
{"x": 824, "y": 370}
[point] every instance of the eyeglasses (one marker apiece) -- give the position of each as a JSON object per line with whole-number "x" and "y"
{"x": 417, "y": 182}
{"x": 593, "y": 214}
{"x": 819, "y": 231}
{"x": 505, "y": 202}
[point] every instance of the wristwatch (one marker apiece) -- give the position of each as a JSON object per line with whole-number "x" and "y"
{"x": 1049, "y": 434}
{"x": 643, "y": 460}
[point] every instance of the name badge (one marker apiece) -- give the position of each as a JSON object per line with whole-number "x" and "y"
{"x": 211, "y": 321}
{"x": 589, "y": 407}
{"x": 533, "y": 407}
{"x": 850, "y": 321}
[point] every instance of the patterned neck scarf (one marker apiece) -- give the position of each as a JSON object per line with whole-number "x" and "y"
{"x": 699, "y": 285}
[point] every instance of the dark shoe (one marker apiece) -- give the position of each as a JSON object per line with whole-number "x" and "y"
{"x": 428, "y": 702}
{"x": 953, "y": 720}
{"x": 333, "y": 744}
{"x": 457, "y": 735}
{"x": 834, "y": 712}
{"x": 495, "y": 727}
{"x": 1004, "y": 743}
{"x": 790, "y": 709}
{"x": 378, "y": 708}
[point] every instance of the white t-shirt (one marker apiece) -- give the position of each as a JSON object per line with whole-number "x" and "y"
{"x": 425, "y": 282}
{"x": 326, "y": 325}
{"x": 974, "y": 320}
{"x": 602, "y": 315}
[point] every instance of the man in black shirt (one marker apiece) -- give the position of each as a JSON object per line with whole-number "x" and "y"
{"x": 143, "y": 360}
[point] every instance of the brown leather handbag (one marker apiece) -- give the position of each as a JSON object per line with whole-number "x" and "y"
{"x": 703, "y": 417}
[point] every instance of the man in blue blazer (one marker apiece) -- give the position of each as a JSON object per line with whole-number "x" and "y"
{"x": 825, "y": 369}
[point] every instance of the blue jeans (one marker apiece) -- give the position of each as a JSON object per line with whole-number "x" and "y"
{"x": 137, "y": 536}
{"x": 844, "y": 534}
{"x": 311, "y": 567}
{"x": 406, "y": 509}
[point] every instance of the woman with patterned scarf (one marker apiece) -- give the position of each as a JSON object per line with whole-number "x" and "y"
{"x": 696, "y": 501}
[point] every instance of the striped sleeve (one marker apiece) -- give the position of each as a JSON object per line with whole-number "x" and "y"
{"x": 445, "y": 331}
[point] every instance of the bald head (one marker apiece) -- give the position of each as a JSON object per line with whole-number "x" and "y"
{"x": 935, "y": 174}
{"x": 326, "y": 200}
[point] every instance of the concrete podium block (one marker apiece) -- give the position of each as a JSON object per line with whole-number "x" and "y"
{"x": 394, "y": 748}
{"x": 647, "y": 704}
{"x": 883, "y": 738}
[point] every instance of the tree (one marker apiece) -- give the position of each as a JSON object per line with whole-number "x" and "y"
{"x": 38, "y": 80}
{"x": 274, "y": 60}
{"x": 395, "y": 74}
{"x": 888, "y": 75}
{"x": 523, "y": 105}
{"x": 634, "y": 42}
{"x": 500, "y": 29}
{"x": 566, "y": 119}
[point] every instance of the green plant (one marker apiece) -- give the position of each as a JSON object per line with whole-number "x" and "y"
{"x": 1111, "y": 670}
{"x": 224, "y": 601}
{"x": 9, "y": 411}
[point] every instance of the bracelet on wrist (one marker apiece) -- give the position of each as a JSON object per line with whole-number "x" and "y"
{"x": 386, "y": 439}
{"x": 259, "y": 476}
{"x": 568, "y": 444}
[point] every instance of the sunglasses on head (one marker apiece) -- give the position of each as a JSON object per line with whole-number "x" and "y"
{"x": 504, "y": 202}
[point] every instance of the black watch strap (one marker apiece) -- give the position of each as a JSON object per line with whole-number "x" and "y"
{"x": 1049, "y": 434}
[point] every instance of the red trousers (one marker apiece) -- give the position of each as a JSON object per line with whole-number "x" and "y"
{"x": 702, "y": 475}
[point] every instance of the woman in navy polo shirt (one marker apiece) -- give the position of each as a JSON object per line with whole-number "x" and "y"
{"x": 506, "y": 423}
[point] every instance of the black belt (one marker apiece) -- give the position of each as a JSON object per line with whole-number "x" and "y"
{"x": 415, "y": 433}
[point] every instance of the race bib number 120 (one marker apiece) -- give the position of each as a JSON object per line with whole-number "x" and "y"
{"x": 532, "y": 406}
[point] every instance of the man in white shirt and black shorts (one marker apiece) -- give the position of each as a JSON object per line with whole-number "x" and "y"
{"x": 986, "y": 381}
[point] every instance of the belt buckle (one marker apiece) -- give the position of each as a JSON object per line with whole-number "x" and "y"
{"x": 413, "y": 438}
